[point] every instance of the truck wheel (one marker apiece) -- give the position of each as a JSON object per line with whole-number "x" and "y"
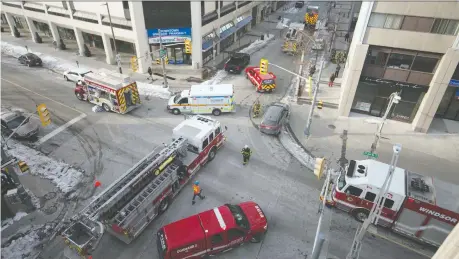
{"x": 360, "y": 214}
{"x": 212, "y": 154}
{"x": 106, "y": 107}
{"x": 176, "y": 111}
{"x": 164, "y": 205}
{"x": 216, "y": 112}
{"x": 256, "y": 238}
{"x": 79, "y": 97}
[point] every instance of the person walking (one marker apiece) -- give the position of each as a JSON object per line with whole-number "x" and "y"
{"x": 197, "y": 192}
{"x": 338, "y": 68}
{"x": 332, "y": 79}
{"x": 150, "y": 72}
{"x": 346, "y": 37}
{"x": 246, "y": 152}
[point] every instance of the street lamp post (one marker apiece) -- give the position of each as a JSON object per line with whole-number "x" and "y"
{"x": 118, "y": 58}
{"x": 394, "y": 98}
{"x": 378, "y": 204}
{"x": 316, "y": 90}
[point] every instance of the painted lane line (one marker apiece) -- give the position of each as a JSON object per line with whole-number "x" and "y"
{"x": 27, "y": 89}
{"x": 60, "y": 129}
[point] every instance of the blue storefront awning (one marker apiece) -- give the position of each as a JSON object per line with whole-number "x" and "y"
{"x": 244, "y": 22}
{"x": 207, "y": 45}
{"x": 227, "y": 33}
{"x": 454, "y": 83}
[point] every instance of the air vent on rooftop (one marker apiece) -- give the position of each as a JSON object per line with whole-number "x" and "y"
{"x": 419, "y": 185}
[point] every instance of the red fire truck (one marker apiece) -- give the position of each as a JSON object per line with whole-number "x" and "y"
{"x": 145, "y": 191}
{"x": 263, "y": 83}
{"x": 212, "y": 232}
{"x": 416, "y": 206}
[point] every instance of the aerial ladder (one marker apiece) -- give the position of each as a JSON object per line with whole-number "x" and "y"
{"x": 118, "y": 206}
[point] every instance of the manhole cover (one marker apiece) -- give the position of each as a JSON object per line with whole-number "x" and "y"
{"x": 331, "y": 126}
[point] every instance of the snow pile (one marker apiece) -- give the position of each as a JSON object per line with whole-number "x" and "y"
{"x": 217, "y": 78}
{"x": 48, "y": 61}
{"x": 24, "y": 246}
{"x": 151, "y": 90}
{"x": 252, "y": 48}
{"x": 8, "y": 222}
{"x": 296, "y": 151}
{"x": 63, "y": 175}
{"x": 283, "y": 23}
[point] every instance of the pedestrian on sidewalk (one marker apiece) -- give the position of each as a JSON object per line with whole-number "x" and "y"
{"x": 346, "y": 37}
{"x": 197, "y": 192}
{"x": 332, "y": 79}
{"x": 150, "y": 72}
{"x": 338, "y": 68}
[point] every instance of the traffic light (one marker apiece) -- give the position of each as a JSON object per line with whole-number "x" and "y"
{"x": 23, "y": 166}
{"x": 263, "y": 66}
{"x": 134, "y": 64}
{"x": 320, "y": 105}
{"x": 319, "y": 167}
{"x": 43, "y": 112}
{"x": 188, "y": 46}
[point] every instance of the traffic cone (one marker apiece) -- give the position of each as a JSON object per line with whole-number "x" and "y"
{"x": 96, "y": 184}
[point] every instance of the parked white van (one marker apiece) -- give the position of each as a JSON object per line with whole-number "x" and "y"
{"x": 203, "y": 99}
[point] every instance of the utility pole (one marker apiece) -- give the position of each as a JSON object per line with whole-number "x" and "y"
{"x": 118, "y": 57}
{"x": 393, "y": 98}
{"x": 163, "y": 58}
{"x": 378, "y": 204}
{"x": 316, "y": 90}
{"x": 319, "y": 239}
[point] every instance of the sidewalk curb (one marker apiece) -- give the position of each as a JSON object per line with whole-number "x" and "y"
{"x": 325, "y": 104}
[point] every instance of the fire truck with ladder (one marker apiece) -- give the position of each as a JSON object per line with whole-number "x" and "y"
{"x": 145, "y": 191}
{"x": 419, "y": 207}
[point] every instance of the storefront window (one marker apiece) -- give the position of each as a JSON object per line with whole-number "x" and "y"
{"x": 401, "y": 61}
{"x": 424, "y": 64}
{"x": 207, "y": 55}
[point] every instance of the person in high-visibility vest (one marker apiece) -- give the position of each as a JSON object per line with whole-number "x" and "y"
{"x": 197, "y": 192}
{"x": 246, "y": 152}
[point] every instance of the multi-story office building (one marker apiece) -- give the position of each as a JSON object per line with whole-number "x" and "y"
{"x": 212, "y": 26}
{"x": 406, "y": 47}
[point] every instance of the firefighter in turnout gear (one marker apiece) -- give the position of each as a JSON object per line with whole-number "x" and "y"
{"x": 246, "y": 152}
{"x": 197, "y": 192}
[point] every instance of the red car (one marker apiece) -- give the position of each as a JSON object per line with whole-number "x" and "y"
{"x": 212, "y": 232}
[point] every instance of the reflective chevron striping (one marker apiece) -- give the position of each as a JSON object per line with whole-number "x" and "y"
{"x": 121, "y": 100}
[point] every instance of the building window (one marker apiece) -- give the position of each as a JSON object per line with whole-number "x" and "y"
{"x": 377, "y": 20}
{"x": 119, "y": 26}
{"x": 421, "y": 24}
{"x": 401, "y": 61}
{"x": 444, "y": 26}
{"x": 206, "y": 57}
{"x": 203, "y": 9}
{"x": 393, "y": 21}
{"x": 376, "y": 57}
{"x": 424, "y": 64}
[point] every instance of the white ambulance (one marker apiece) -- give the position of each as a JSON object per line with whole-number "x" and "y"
{"x": 203, "y": 99}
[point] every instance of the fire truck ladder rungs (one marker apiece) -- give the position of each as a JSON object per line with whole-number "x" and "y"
{"x": 150, "y": 191}
{"x": 121, "y": 187}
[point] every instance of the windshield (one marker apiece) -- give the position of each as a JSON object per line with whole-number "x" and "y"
{"x": 239, "y": 216}
{"x": 176, "y": 98}
{"x": 14, "y": 123}
{"x": 342, "y": 180}
{"x": 86, "y": 73}
{"x": 235, "y": 60}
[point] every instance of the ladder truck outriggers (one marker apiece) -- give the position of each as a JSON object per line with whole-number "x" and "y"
{"x": 145, "y": 191}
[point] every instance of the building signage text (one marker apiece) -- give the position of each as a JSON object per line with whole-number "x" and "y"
{"x": 389, "y": 82}
{"x": 169, "y": 35}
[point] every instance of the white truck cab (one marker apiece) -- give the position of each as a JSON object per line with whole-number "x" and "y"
{"x": 203, "y": 99}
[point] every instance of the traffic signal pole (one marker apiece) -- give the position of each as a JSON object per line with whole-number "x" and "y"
{"x": 316, "y": 90}
{"x": 319, "y": 238}
{"x": 163, "y": 62}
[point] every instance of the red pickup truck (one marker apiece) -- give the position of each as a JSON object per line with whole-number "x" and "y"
{"x": 212, "y": 232}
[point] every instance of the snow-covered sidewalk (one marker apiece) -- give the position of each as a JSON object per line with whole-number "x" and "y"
{"x": 63, "y": 175}
{"x": 9, "y": 221}
{"x": 59, "y": 66}
{"x": 252, "y": 48}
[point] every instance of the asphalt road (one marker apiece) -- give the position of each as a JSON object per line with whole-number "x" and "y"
{"x": 105, "y": 145}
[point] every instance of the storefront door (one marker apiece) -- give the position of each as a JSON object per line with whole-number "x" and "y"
{"x": 176, "y": 55}
{"x": 449, "y": 105}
